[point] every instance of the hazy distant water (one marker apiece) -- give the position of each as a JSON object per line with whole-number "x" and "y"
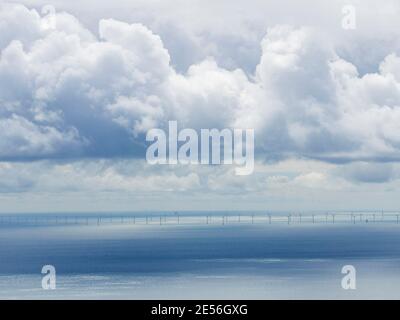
{"x": 228, "y": 261}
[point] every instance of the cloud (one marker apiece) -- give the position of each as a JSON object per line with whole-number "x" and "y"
{"x": 13, "y": 181}
{"x": 79, "y": 98}
{"x": 22, "y": 139}
{"x": 368, "y": 172}
{"x": 123, "y": 176}
{"x": 117, "y": 184}
{"x": 69, "y": 93}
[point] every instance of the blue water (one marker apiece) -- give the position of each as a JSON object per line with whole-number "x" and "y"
{"x": 171, "y": 261}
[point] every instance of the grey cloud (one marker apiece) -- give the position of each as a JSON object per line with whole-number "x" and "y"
{"x": 368, "y": 172}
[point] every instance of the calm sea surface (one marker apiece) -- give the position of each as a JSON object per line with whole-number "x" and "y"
{"x": 165, "y": 260}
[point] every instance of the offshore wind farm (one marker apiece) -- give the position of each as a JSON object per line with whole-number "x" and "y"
{"x": 200, "y": 218}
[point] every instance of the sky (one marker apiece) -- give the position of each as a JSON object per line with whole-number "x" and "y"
{"x": 82, "y": 82}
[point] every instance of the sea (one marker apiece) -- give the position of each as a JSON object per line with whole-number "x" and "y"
{"x": 203, "y": 255}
